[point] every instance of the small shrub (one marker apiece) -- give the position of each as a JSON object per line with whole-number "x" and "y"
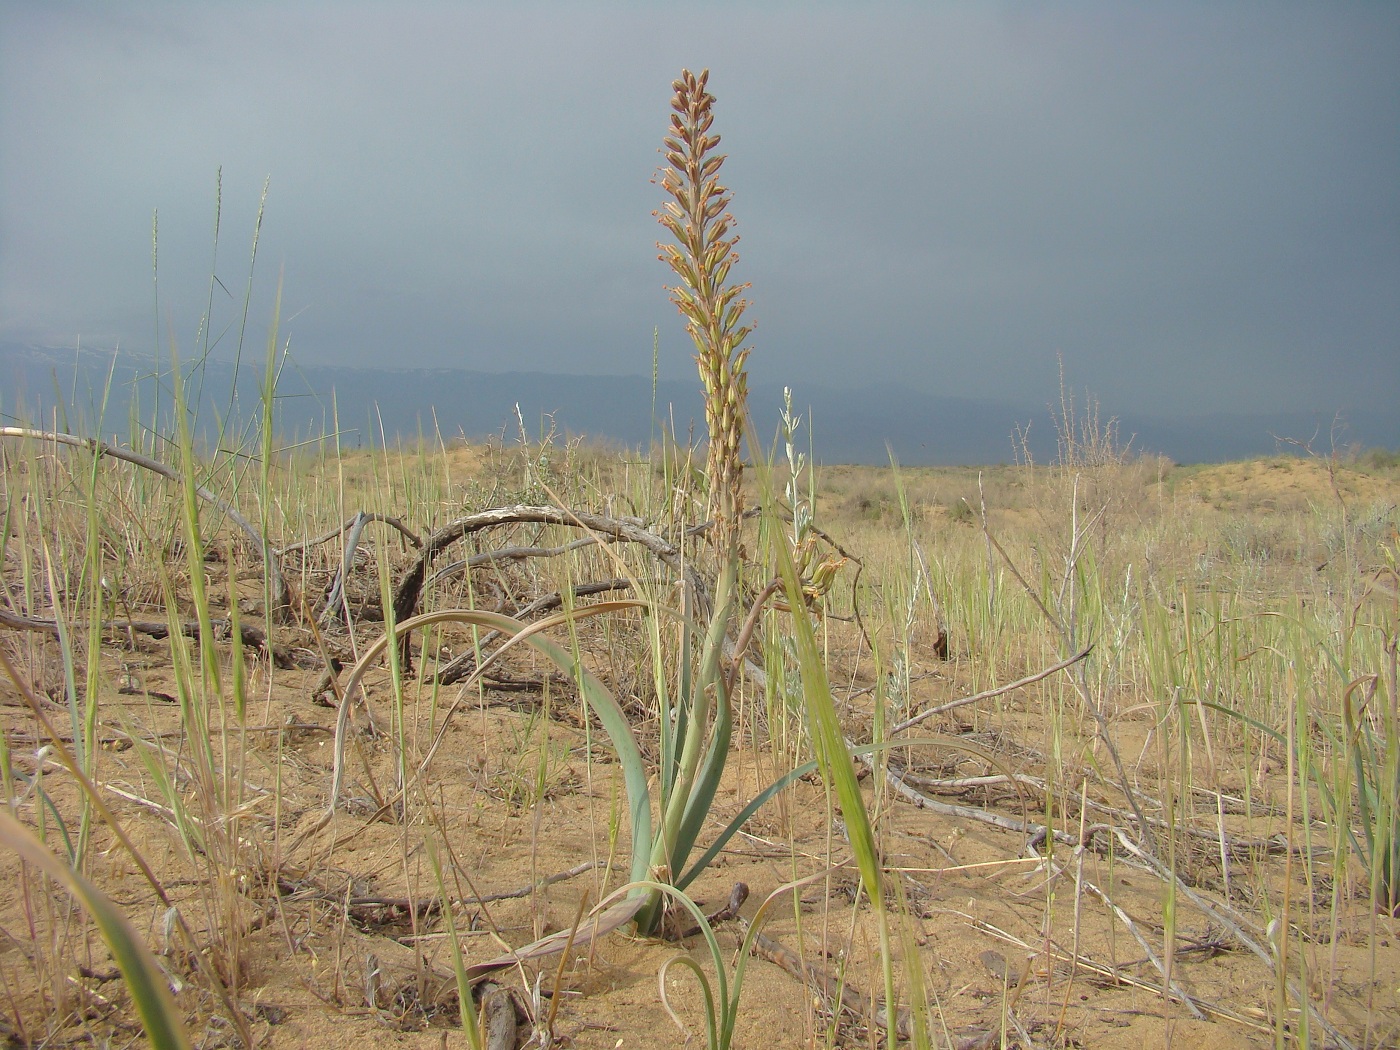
{"x": 960, "y": 512}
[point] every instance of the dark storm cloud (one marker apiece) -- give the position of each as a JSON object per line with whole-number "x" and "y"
{"x": 1196, "y": 205}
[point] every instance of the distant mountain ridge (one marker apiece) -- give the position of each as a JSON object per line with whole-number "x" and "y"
{"x": 851, "y": 425}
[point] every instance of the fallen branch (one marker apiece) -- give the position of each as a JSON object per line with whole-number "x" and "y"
{"x": 1111, "y": 974}
{"x": 599, "y": 925}
{"x": 335, "y": 594}
{"x": 1131, "y": 926}
{"x": 290, "y": 888}
{"x": 252, "y": 636}
{"x": 1034, "y": 832}
{"x": 411, "y": 586}
{"x": 1236, "y": 847}
{"x": 393, "y": 522}
{"x": 725, "y": 912}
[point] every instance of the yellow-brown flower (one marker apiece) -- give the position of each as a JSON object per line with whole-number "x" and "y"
{"x": 697, "y": 216}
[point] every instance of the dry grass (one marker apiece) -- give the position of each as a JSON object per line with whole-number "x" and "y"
{"x": 1267, "y": 589}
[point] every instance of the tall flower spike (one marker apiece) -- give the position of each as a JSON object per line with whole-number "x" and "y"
{"x": 697, "y": 216}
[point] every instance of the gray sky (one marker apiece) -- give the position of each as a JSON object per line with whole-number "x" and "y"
{"x": 1197, "y": 205}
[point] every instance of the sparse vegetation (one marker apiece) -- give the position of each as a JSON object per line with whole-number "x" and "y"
{"x": 1094, "y": 753}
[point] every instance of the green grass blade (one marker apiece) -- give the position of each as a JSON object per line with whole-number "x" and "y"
{"x": 835, "y": 764}
{"x": 143, "y": 978}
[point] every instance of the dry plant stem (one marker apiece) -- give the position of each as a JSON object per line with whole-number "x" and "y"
{"x": 461, "y": 666}
{"x": 1113, "y": 973}
{"x": 1127, "y": 920}
{"x": 1082, "y": 688}
{"x": 280, "y": 589}
{"x": 953, "y": 705}
{"x": 836, "y": 992}
{"x": 741, "y": 645}
{"x": 512, "y": 554}
{"x": 546, "y": 1039}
